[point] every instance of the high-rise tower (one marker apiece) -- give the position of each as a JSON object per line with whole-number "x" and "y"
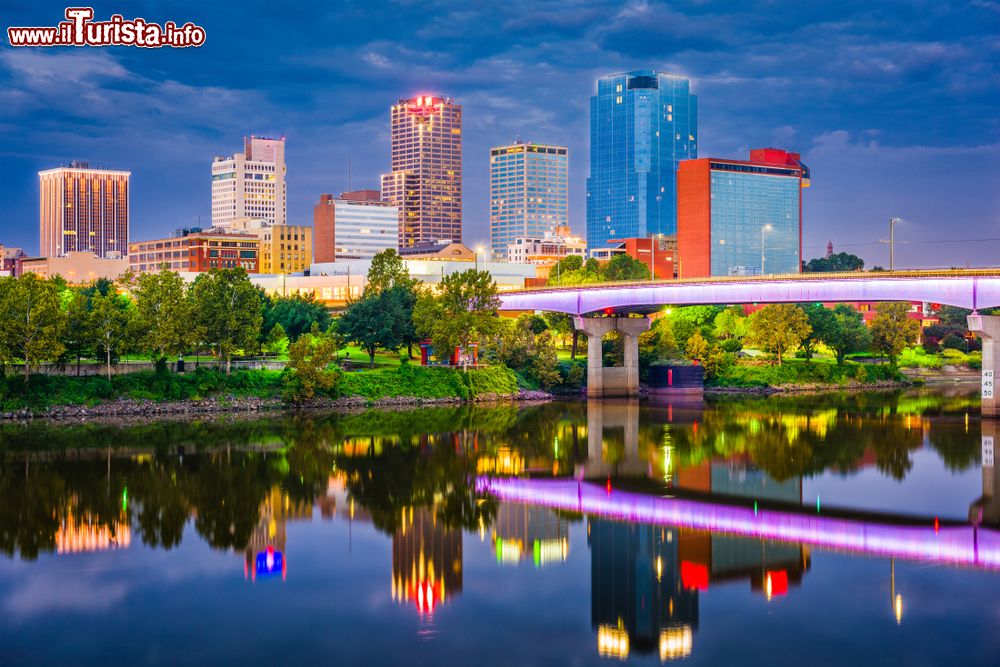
{"x": 642, "y": 124}
{"x": 529, "y": 185}
{"x": 425, "y": 182}
{"x": 83, "y": 209}
{"x": 251, "y": 184}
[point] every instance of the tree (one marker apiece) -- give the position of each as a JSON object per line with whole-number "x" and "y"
{"x": 892, "y": 330}
{"x": 387, "y": 271}
{"x": 731, "y": 323}
{"x": 777, "y": 328}
{"x": 111, "y": 325}
{"x": 76, "y": 337}
{"x": 308, "y": 368}
{"x": 697, "y": 346}
{"x": 840, "y": 261}
{"x": 296, "y": 314}
{"x": 276, "y": 341}
{"x": 848, "y": 335}
{"x": 31, "y": 321}
{"x": 622, "y": 268}
{"x": 227, "y": 312}
{"x": 822, "y": 323}
{"x": 371, "y": 323}
{"x": 164, "y": 314}
{"x": 566, "y": 268}
{"x": 463, "y": 312}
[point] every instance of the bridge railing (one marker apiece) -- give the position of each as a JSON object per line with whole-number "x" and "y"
{"x": 781, "y": 277}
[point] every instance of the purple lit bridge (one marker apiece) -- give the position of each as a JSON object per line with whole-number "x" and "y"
{"x": 966, "y": 545}
{"x": 615, "y": 306}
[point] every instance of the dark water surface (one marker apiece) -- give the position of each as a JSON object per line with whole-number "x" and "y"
{"x": 824, "y": 530}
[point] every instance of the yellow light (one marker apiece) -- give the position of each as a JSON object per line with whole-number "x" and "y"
{"x": 659, "y": 568}
{"x": 676, "y": 643}
{"x": 898, "y": 608}
{"x": 769, "y": 587}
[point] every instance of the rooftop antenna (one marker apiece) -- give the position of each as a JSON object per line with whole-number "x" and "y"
{"x": 349, "y": 173}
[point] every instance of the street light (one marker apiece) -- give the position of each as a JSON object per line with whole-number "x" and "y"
{"x": 479, "y": 249}
{"x": 892, "y": 242}
{"x": 766, "y": 228}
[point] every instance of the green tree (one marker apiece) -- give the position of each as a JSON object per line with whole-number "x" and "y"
{"x": 76, "y": 337}
{"x": 277, "y": 341}
{"x": 622, "y": 268}
{"x": 464, "y": 312}
{"x": 565, "y": 271}
{"x": 31, "y": 321}
{"x": 840, "y": 261}
{"x": 892, "y": 330}
{"x": 370, "y": 322}
{"x": 227, "y": 312}
{"x": 163, "y": 313}
{"x": 777, "y": 328}
{"x": 849, "y": 335}
{"x": 111, "y": 324}
{"x": 731, "y": 323}
{"x": 697, "y": 346}
{"x": 308, "y": 369}
{"x": 387, "y": 271}
{"x": 821, "y": 322}
{"x": 296, "y": 314}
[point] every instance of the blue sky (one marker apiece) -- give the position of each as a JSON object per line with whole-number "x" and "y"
{"x": 894, "y": 105}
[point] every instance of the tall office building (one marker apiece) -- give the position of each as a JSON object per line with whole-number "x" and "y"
{"x": 83, "y": 209}
{"x": 741, "y": 217}
{"x": 529, "y": 193}
{"x": 355, "y": 225}
{"x": 250, "y": 184}
{"x": 425, "y": 182}
{"x": 642, "y": 124}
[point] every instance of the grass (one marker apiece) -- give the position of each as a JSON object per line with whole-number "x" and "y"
{"x": 799, "y": 372}
{"x": 428, "y": 382}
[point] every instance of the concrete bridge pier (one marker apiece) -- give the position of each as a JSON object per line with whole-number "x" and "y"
{"x": 988, "y": 328}
{"x": 601, "y": 381}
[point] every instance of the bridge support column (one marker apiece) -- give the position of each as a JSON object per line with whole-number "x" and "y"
{"x": 603, "y": 381}
{"x": 988, "y": 328}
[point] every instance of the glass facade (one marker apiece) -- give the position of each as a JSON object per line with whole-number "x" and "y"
{"x": 750, "y": 203}
{"x": 642, "y": 124}
{"x": 529, "y": 193}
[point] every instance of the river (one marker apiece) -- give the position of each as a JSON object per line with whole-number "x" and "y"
{"x": 823, "y": 530}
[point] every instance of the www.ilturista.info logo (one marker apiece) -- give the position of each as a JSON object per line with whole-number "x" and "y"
{"x": 79, "y": 29}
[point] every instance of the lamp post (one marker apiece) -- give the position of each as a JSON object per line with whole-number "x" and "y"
{"x": 764, "y": 228}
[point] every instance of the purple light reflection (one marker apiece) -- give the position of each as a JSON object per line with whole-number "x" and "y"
{"x": 958, "y": 545}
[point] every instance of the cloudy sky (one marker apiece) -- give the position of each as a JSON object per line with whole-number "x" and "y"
{"x": 894, "y": 105}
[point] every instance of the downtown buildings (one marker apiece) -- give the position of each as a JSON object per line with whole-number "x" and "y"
{"x": 642, "y": 125}
{"x": 741, "y": 217}
{"x": 529, "y": 193}
{"x": 196, "y": 250}
{"x": 250, "y": 184}
{"x": 355, "y": 225}
{"x": 425, "y": 179}
{"x": 83, "y": 209}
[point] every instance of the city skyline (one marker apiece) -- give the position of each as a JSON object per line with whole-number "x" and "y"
{"x": 855, "y": 107}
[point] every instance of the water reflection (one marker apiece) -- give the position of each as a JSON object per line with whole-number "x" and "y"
{"x": 675, "y": 499}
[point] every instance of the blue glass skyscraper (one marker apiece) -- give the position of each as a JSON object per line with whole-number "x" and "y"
{"x": 642, "y": 124}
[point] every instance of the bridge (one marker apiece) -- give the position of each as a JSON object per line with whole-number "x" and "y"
{"x": 624, "y": 307}
{"x": 964, "y": 545}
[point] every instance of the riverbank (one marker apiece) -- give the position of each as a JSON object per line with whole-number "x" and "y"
{"x": 208, "y": 392}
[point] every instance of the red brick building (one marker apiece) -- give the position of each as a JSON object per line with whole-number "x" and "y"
{"x": 196, "y": 250}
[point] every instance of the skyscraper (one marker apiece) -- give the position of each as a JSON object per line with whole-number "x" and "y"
{"x": 642, "y": 124}
{"x": 425, "y": 182}
{"x": 83, "y": 209}
{"x": 250, "y": 184}
{"x": 741, "y": 217}
{"x": 529, "y": 188}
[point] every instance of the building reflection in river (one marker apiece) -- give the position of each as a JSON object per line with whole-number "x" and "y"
{"x": 265, "y": 551}
{"x": 426, "y": 560}
{"x": 522, "y": 532}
